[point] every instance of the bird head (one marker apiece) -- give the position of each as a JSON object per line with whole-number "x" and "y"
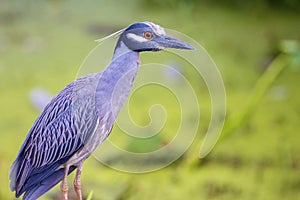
{"x": 147, "y": 36}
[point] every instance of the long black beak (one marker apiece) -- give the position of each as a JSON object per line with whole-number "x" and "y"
{"x": 169, "y": 42}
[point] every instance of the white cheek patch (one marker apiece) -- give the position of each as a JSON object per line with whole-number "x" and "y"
{"x": 136, "y": 37}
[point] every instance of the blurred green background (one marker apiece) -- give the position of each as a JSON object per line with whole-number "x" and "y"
{"x": 42, "y": 43}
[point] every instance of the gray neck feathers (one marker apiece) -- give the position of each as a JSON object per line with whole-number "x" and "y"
{"x": 116, "y": 82}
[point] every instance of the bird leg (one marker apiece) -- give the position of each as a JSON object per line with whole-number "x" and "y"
{"x": 77, "y": 184}
{"x": 64, "y": 184}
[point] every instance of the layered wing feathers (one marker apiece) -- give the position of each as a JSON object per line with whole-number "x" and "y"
{"x": 59, "y": 132}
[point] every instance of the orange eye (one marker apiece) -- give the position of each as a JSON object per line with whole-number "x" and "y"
{"x": 148, "y": 35}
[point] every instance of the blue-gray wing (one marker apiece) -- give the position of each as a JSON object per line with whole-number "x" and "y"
{"x": 58, "y": 133}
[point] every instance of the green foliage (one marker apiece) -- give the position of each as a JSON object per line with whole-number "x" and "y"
{"x": 261, "y": 87}
{"x": 44, "y": 42}
{"x": 293, "y": 5}
{"x": 288, "y": 57}
{"x": 89, "y": 197}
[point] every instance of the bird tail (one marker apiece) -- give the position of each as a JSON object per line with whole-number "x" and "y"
{"x": 42, "y": 187}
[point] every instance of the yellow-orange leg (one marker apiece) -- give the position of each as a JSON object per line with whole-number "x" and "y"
{"x": 64, "y": 184}
{"x": 77, "y": 184}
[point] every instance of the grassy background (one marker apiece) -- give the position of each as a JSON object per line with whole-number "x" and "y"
{"x": 43, "y": 44}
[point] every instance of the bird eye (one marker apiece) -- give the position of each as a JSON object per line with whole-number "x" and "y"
{"x": 148, "y": 35}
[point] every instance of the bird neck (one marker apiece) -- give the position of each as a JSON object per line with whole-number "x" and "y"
{"x": 121, "y": 49}
{"x": 116, "y": 81}
{"x": 124, "y": 60}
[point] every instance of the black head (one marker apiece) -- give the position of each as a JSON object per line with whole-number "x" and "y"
{"x": 146, "y": 36}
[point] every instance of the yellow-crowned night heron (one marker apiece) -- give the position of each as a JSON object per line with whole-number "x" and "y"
{"x": 81, "y": 116}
